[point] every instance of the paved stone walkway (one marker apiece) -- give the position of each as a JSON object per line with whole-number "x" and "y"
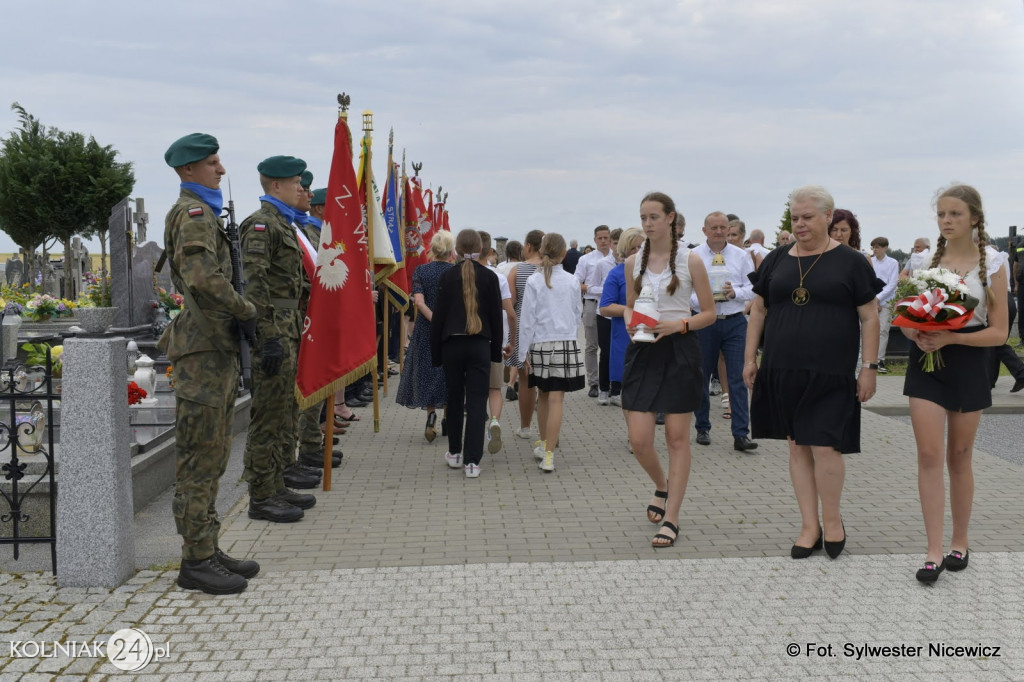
{"x": 406, "y": 570}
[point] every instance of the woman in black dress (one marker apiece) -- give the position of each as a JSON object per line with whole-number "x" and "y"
{"x": 954, "y": 396}
{"x": 422, "y": 385}
{"x": 805, "y": 390}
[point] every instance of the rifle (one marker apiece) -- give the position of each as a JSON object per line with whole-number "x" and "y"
{"x": 231, "y": 228}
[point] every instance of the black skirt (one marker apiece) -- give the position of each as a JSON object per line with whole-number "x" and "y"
{"x": 812, "y": 408}
{"x": 963, "y": 385}
{"x": 664, "y": 376}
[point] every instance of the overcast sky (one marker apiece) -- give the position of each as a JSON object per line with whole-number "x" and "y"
{"x": 555, "y": 115}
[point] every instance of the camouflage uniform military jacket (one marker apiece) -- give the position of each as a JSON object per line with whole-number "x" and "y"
{"x": 200, "y": 254}
{"x": 275, "y": 281}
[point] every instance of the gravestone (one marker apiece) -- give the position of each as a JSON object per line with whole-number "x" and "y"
{"x": 15, "y": 272}
{"x": 141, "y": 219}
{"x": 144, "y": 293}
{"x": 121, "y": 247}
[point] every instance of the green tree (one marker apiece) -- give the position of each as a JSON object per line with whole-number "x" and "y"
{"x": 785, "y": 225}
{"x": 25, "y": 156}
{"x": 75, "y": 184}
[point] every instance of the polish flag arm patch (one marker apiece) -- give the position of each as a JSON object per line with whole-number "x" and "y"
{"x": 196, "y": 211}
{"x": 257, "y": 227}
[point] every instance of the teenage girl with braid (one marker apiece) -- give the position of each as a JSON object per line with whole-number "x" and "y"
{"x": 953, "y": 397}
{"x": 665, "y": 375}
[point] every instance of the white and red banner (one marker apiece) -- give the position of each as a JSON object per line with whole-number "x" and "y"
{"x": 339, "y": 335}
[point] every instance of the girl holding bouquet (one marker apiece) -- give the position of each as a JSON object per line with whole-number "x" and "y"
{"x": 664, "y": 375}
{"x": 952, "y": 396}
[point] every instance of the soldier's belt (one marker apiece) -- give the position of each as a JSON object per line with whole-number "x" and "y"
{"x": 285, "y": 303}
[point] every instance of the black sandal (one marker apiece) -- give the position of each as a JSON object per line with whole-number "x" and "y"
{"x": 660, "y": 511}
{"x": 671, "y": 540}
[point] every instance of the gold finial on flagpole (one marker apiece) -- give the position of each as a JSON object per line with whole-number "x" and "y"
{"x": 343, "y": 102}
{"x": 367, "y": 121}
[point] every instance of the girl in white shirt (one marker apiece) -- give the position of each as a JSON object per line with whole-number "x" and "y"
{"x": 548, "y": 328}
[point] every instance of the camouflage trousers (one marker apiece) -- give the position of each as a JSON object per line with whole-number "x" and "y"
{"x": 205, "y": 388}
{"x": 311, "y": 441}
{"x": 273, "y": 426}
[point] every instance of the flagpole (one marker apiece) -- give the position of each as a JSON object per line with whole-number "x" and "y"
{"x": 386, "y": 343}
{"x": 402, "y": 337}
{"x": 370, "y": 201}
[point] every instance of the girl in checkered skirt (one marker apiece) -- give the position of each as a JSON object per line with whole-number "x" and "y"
{"x": 548, "y": 328}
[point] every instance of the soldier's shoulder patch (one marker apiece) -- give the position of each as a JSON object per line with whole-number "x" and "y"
{"x": 256, "y": 246}
{"x": 196, "y": 211}
{"x": 259, "y": 227}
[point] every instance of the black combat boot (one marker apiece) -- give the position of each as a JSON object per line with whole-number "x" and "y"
{"x": 275, "y": 510}
{"x": 243, "y": 567}
{"x": 296, "y": 478}
{"x": 317, "y": 461}
{"x": 300, "y": 500}
{"x": 209, "y": 576}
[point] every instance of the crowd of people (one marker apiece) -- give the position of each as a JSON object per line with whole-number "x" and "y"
{"x": 791, "y": 337}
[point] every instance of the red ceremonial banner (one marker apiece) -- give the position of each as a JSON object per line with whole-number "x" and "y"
{"x": 339, "y": 335}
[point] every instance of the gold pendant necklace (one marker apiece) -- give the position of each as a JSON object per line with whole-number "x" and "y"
{"x": 800, "y": 295}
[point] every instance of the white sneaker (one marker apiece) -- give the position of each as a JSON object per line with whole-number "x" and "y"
{"x": 615, "y": 400}
{"x": 539, "y": 448}
{"x": 602, "y": 398}
{"x": 472, "y": 470}
{"x": 716, "y": 387}
{"x": 547, "y": 463}
{"x": 493, "y": 436}
{"x": 523, "y": 433}
{"x": 454, "y": 461}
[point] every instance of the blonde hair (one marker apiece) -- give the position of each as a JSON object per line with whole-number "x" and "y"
{"x": 441, "y": 245}
{"x": 467, "y": 245}
{"x": 626, "y": 240}
{"x": 552, "y": 251}
{"x": 816, "y": 193}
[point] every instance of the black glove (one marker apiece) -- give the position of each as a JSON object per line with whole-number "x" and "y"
{"x": 273, "y": 356}
{"x": 248, "y": 328}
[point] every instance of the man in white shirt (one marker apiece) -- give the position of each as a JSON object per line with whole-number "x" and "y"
{"x": 757, "y": 246}
{"x": 887, "y": 270}
{"x": 728, "y": 267}
{"x": 589, "y": 275}
{"x": 920, "y": 258}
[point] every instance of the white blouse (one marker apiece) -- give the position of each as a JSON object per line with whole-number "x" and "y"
{"x": 549, "y": 314}
{"x": 993, "y": 261}
{"x": 675, "y": 306}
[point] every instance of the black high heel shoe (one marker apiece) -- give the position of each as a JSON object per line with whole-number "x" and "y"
{"x": 798, "y": 552}
{"x": 834, "y": 549}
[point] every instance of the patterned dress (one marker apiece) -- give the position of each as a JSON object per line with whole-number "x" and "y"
{"x": 523, "y": 272}
{"x": 423, "y": 385}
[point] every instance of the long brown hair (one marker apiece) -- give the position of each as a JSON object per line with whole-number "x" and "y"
{"x": 668, "y": 206}
{"x": 552, "y": 251}
{"x": 468, "y": 246}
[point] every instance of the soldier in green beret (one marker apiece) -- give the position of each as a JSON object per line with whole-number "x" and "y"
{"x": 276, "y": 284}
{"x": 202, "y": 344}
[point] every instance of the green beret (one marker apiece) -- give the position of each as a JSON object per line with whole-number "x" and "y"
{"x": 281, "y": 167}
{"x": 319, "y": 197}
{"x": 191, "y": 148}
{"x": 307, "y": 179}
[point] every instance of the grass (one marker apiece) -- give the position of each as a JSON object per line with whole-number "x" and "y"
{"x": 898, "y": 368}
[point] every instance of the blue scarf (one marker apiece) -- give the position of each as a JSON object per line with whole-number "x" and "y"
{"x": 290, "y": 214}
{"x": 315, "y": 222}
{"x": 211, "y": 197}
